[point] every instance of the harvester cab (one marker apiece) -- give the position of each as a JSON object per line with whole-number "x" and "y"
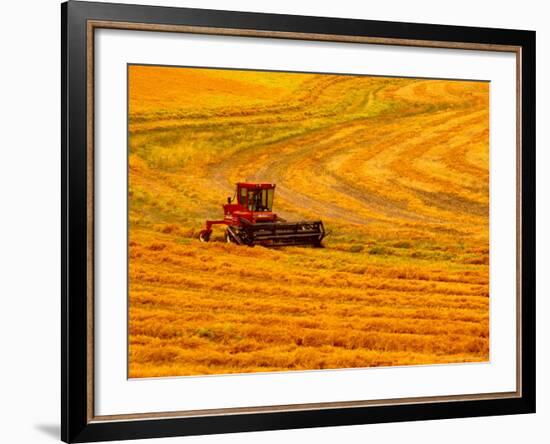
{"x": 250, "y": 220}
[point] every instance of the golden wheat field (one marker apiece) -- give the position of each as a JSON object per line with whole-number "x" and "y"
{"x": 397, "y": 169}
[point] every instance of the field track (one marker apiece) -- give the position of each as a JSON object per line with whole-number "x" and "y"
{"x": 396, "y": 168}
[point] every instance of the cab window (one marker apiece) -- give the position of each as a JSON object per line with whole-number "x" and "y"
{"x": 242, "y": 196}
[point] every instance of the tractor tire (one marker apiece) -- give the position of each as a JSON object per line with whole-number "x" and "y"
{"x": 204, "y": 235}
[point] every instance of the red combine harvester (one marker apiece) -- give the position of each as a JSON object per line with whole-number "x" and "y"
{"x": 250, "y": 221}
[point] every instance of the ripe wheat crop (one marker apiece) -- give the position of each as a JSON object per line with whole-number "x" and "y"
{"x": 397, "y": 169}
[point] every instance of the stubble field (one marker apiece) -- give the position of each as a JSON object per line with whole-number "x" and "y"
{"x": 397, "y": 169}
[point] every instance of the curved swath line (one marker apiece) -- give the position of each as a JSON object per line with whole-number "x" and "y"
{"x": 364, "y": 198}
{"x": 346, "y": 187}
{"x": 464, "y": 149}
{"x": 222, "y": 171}
{"x": 475, "y": 113}
{"x": 359, "y": 158}
{"x": 276, "y": 170}
{"x": 420, "y": 148}
{"x": 286, "y": 113}
{"x": 304, "y": 101}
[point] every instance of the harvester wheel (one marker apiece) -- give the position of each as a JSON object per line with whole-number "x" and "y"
{"x": 204, "y": 235}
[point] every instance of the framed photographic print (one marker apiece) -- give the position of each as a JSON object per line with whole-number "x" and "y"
{"x": 275, "y": 221}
